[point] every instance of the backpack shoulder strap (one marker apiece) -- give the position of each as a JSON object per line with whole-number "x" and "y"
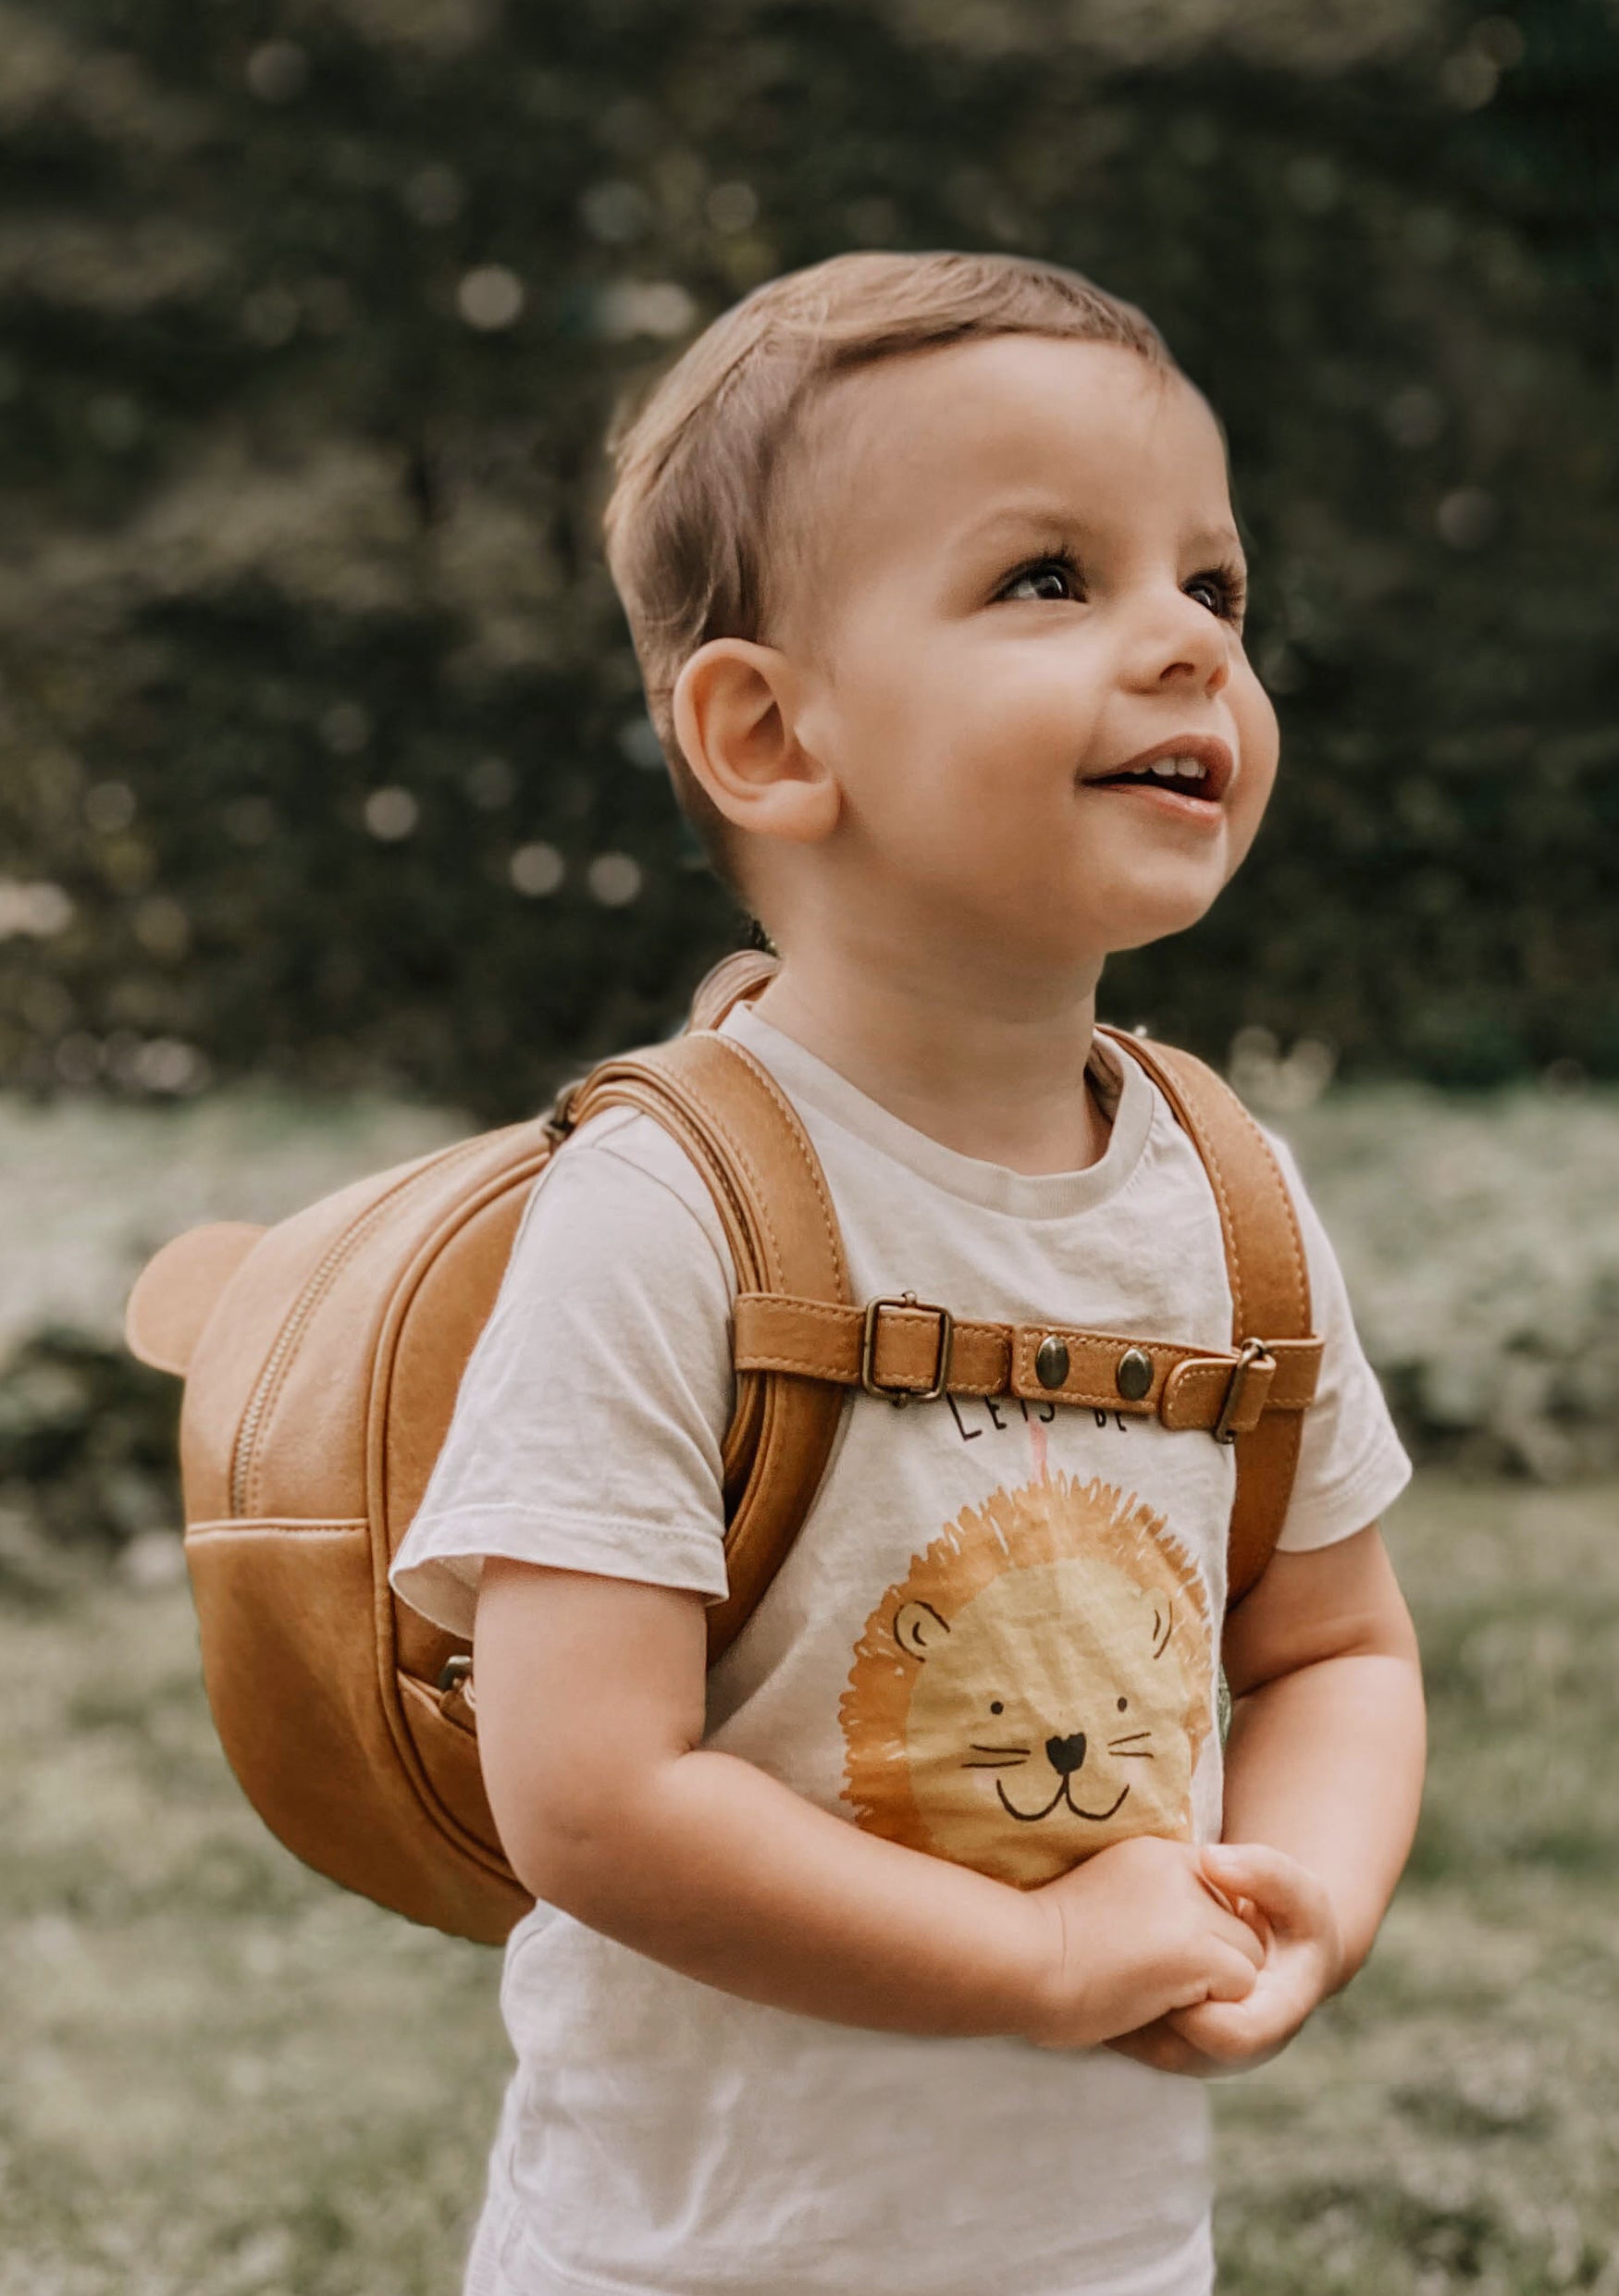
{"x": 1271, "y": 1285}
{"x": 740, "y": 1130}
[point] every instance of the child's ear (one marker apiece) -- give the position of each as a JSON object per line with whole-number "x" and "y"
{"x": 734, "y": 718}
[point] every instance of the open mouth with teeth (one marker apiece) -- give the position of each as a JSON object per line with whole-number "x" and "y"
{"x": 1197, "y": 773}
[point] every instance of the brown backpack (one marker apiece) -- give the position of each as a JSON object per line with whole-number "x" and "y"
{"x": 322, "y": 1358}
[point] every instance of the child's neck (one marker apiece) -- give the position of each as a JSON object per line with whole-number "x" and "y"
{"x": 975, "y": 1066}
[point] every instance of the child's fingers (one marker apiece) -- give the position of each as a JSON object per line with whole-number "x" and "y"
{"x": 1249, "y": 1932}
{"x": 1246, "y": 2030}
{"x": 1229, "y": 2030}
{"x": 1233, "y": 1972}
{"x": 1160, "y": 2046}
{"x": 1289, "y": 1897}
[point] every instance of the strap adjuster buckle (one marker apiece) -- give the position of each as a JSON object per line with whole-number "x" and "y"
{"x": 899, "y": 1397}
{"x": 1250, "y": 1356}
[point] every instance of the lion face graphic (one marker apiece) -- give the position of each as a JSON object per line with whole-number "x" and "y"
{"x": 1038, "y": 1687}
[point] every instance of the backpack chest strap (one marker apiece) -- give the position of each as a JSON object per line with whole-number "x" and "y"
{"x": 907, "y": 1350}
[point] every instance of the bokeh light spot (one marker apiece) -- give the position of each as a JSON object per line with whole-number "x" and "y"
{"x": 614, "y": 880}
{"x": 537, "y": 870}
{"x": 490, "y": 298}
{"x": 392, "y": 814}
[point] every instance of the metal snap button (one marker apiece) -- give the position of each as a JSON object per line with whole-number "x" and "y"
{"x": 1051, "y": 1362}
{"x": 1134, "y": 1375}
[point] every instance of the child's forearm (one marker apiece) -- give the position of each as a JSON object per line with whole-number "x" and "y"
{"x": 1326, "y": 1763}
{"x": 721, "y": 1872}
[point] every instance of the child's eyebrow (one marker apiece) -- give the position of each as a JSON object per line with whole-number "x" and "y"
{"x": 1219, "y": 539}
{"x": 1040, "y": 517}
{"x": 1015, "y": 521}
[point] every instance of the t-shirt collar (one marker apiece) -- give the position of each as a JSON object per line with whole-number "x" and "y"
{"x": 812, "y": 1084}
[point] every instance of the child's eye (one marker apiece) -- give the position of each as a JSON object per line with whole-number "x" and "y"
{"x": 1047, "y": 580}
{"x": 1222, "y": 590}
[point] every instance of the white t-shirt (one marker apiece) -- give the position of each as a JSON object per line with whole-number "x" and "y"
{"x": 994, "y": 1639}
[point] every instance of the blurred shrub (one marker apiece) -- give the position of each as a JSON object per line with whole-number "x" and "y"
{"x": 321, "y": 749}
{"x": 87, "y": 1449}
{"x": 1481, "y": 1246}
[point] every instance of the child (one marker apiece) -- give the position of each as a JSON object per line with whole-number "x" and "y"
{"x": 932, "y": 572}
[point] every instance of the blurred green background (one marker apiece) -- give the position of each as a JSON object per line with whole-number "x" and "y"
{"x": 330, "y": 822}
{"x": 322, "y": 752}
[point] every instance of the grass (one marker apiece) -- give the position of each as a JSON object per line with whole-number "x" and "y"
{"x": 89, "y": 1188}
{"x": 1453, "y": 2121}
{"x": 224, "y": 2078}
{"x": 222, "y": 2075}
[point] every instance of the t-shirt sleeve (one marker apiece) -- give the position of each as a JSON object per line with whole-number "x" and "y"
{"x": 589, "y": 1422}
{"x": 1351, "y": 1464}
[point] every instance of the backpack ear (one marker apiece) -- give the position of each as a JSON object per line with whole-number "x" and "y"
{"x": 174, "y": 1294}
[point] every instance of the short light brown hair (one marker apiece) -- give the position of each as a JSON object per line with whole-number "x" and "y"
{"x": 699, "y": 462}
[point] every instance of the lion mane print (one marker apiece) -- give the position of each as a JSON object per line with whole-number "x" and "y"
{"x": 1039, "y": 1687}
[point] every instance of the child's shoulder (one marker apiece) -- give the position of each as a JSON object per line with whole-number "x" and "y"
{"x": 621, "y": 1182}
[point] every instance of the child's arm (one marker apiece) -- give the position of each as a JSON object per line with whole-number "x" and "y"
{"x": 1324, "y": 1765}
{"x": 591, "y": 1702}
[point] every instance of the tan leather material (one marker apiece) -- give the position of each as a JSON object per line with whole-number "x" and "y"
{"x": 742, "y": 1132}
{"x": 816, "y": 1339}
{"x": 445, "y": 1736}
{"x": 733, "y": 981}
{"x": 177, "y": 1291}
{"x": 1195, "y": 1394}
{"x": 1189, "y": 1387}
{"x": 440, "y": 1304}
{"x": 305, "y": 1732}
{"x": 1271, "y": 1283}
{"x": 235, "y": 1369}
{"x": 308, "y": 1406}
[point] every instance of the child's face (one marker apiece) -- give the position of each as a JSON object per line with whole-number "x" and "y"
{"x": 1031, "y": 579}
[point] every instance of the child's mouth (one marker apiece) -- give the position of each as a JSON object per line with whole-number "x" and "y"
{"x": 1191, "y": 773}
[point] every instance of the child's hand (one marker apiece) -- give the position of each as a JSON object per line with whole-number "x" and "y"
{"x": 1290, "y": 1911}
{"x": 1138, "y": 1933}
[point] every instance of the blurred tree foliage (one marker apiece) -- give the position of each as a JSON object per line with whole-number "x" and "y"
{"x": 321, "y": 749}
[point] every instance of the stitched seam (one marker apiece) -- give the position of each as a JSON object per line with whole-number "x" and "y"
{"x": 1099, "y": 1354}
{"x": 771, "y": 1305}
{"x": 1188, "y": 1090}
{"x": 774, "y": 1303}
{"x": 602, "y": 1148}
{"x": 1197, "y": 1377}
{"x": 1195, "y": 1094}
{"x": 1295, "y": 1240}
{"x": 841, "y": 1375}
{"x": 305, "y": 1303}
{"x": 1205, "y": 1141}
{"x": 802, "y": 1146}
{"x": 1340, "y": 1493}
{"x": 777, "y": 1304}
{"x": 259, "y": 1526}
{"x": 805, "y": 1155}
{"x": 1095, "y": 1344}
{"x": 504, "y": 1511}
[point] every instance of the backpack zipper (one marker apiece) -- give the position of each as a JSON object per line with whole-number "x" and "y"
{"x": 304, "y": 1307}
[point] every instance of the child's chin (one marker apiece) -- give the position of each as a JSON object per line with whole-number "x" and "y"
{"x": 1156, "y": 916}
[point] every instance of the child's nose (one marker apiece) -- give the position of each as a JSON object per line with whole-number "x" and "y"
{"x": 1184, "y": 645}
{"x": 1064, "y": 1754}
